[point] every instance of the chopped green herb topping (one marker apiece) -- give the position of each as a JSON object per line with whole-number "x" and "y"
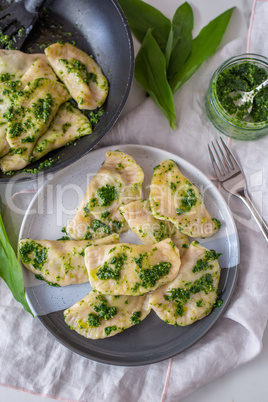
{"x": 149, "y": 276}
{"x": 112, "y": 272}
{"x": 135, "y": 318}
{"x": 105, "y": 215}
{"x": 107, "y": 194}
{"x": 202, "y": 264}
{"x": 108, "y": 330}
{"x": 104, "y": 311}
{"x": 79, "y": 69}
{"x": 161, "y": 233}
{"x": 93, "y": 320}
{"x": 43, "y": 108}
{"x": 117, "y": 225}
{"x": 39, "y": 254}
{"x": 40, "y": 277}
{"x": 65, "y": 126}
{"x": 188, "y": 201}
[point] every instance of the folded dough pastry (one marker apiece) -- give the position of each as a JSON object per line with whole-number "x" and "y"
{"x": 127, "y": 269}
{"x": 68, "y": 125}
{"x": 174, "y": 198}
{"x": 58, "y": 262}
{"x": 192, "y": 294}
{"x": 28, "y": 118}
{"x": 100, "y": 316}
{"x": 150, "y": 230}
{"x": 118, "y": 182}
{"x": 38, "y": 69}
{"x": 80, "y": 73}
{"x": 14, "y": 63}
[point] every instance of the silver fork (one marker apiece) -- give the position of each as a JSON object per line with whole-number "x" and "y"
{"x": 232, "y": 178}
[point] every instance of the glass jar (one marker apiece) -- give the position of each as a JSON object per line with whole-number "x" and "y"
{"x": 226, "y": 123}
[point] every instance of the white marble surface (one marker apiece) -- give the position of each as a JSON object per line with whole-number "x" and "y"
{"x": 247, "y": 383}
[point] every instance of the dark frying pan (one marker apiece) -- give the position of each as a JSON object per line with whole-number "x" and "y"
{"x": 100, "y": 29}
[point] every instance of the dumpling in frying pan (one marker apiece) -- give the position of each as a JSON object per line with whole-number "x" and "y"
{"x": 32, "y": 112}
{"x": 68, "y": 125}
{"x": 80, "y": 73}
{"x": 39, "y": 69}
{"x": 14, "y": 63}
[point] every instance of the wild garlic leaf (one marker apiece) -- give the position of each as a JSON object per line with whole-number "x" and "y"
{"x": 181, "y": 33}
{"x": 150, "y": 72}
{"x": 203, "y": 46}
{"x": 141, "y": 17}
{"x": 10, "y": 269}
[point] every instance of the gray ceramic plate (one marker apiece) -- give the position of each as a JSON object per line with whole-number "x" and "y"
{"x": 152, "y": 340}
{"x": 100, "y": 29}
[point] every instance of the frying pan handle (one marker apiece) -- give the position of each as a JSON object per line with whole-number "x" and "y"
{"x": 33, "y": 5}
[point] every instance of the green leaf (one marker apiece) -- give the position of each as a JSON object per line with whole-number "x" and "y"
{"x": 141, "y": 17}
{"x": 150, "y": 72}
{"x": 203, "y": 46}
{"x": 181, "y": 34}
{"x": 10, "y": 269}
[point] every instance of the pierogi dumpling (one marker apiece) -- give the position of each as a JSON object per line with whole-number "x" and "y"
{"x": 174, "y": 198}
{"x": 68, "y": 125}
{"x": 150, "y": 230}
{"x": 39, "y": 69}
{"x": 80, "y": 73}
{"x": 130, "y": 269}
{"x": 100, "y": 316}
{"x": 59, "y": 262}
{"x": 15, "y": 63}
{"x": 31, "y": 114}
{"x": 118, "y": 182}
{"x": 192, "y": 294}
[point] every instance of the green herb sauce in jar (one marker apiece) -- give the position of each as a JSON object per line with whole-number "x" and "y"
{"x": 243, "y": 77}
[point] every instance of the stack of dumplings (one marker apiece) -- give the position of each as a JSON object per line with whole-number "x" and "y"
{"x": 40, "y": 100}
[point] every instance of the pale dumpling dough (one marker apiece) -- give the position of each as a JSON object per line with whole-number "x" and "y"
{"x": 58, "y": 262}
{"x": 118, "y": 182}
{"x": 68, "y": 125}
{"x": 80, "y": 73}
{"x": 39, "y": 69}
{"x": 100, "y": 316}
{"x": 33, "y": 112}
{"x": 174, "y": 198}
{"x": 127, "y": 269}
{"x": 150, "y": 230}
{"x": 193, "y": 293}
{"x": 15, "y": 63}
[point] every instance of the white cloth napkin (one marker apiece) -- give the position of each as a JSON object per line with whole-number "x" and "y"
{"x": 33, "y": 360}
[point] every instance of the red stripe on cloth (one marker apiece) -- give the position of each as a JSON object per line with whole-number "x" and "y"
{"x": 251, "y": 24}
{"x": 167, "y": 380}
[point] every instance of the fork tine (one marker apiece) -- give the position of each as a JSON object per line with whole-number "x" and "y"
{"x": 11, "y": 30}
{"x": 224, "y": 169}
{"x": 231, "y": 157}
{"x": 7, "y": 11}
{"x": 214, "y": 162}
{"x": 226, "y": 162}
{"x": 6, "y": 22}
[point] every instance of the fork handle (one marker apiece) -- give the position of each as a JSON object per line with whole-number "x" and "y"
{"x": 256, "y": 215}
